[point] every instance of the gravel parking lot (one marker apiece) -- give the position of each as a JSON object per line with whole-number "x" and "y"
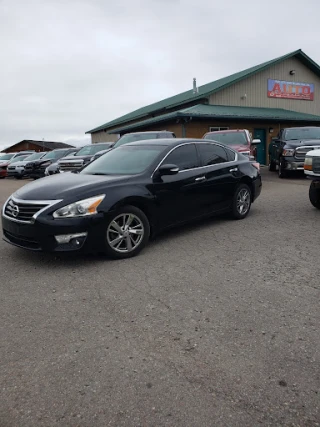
{"x": 214, "y": 324}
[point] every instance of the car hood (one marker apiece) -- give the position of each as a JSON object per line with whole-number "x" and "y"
{"x": 4, "y": 163}
{"x": 68, "y": 185}
{"x": 240, "y": 147}
{"x": 21, "y": 163}
{"x": 75, "y": 158}
{"x": 302, "y": 142}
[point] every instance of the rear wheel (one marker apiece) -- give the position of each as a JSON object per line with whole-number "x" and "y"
{"x": 241, "y": 203}
{"x": 314, "y": 196}
{"x": 127, "y": 233}
{"x": 281, "y": 171}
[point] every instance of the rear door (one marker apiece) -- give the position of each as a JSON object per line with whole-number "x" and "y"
{"x": 221, "y": 176}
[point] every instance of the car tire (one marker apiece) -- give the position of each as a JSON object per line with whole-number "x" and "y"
{"x": 127, "y": 233}
{"x": 281, "y": 171}
{"x": 314, "y": 196}
{"x": 272, "y": 166}
{"x": 241, "y": 202}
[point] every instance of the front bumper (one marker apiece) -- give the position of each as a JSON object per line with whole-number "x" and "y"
{"x": 3, "y": 173}
{"x": 15, "y": 174}
{"x": 40, "y": 235}
{"x": 291, "y": 164}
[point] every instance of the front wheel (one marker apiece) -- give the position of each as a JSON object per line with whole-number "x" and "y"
{"x": 281, "y": 170}
{"x": 241, "y": 202}
{"x": 127, "y": 233}
{"x": 314, "y": 196}
{"x": 272, "y": 165}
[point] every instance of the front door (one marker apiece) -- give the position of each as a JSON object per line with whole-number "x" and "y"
{"x": 261, "y": 148}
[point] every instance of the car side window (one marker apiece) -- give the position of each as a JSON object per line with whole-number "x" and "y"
{"x": 212, "y": 154}
{"x": 185, "y": 157}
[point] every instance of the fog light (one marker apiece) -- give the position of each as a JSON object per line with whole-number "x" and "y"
{"x": 65, "y": 238}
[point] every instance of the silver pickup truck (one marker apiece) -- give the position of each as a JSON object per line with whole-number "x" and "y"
{"x": 312, "y": 171}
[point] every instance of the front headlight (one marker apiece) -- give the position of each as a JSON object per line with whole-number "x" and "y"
{"x": 81, "y": 208}
{"x": 288, "y": 152}
{"x": 308, "y": 163}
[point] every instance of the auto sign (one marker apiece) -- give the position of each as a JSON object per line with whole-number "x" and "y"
{"x": 290, "y": 90}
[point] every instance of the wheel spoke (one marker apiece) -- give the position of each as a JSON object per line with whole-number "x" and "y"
{"x": 117, "y": 240}
{"x": 129, "y": 221}
{"x": 129, "y": 243}
{"x": 116, "y": 227}
{"x": 135, "y": 231}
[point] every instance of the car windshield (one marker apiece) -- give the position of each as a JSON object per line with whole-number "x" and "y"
{"x": 128, "y": 160}
{"x": 54, "y": 155}
{"x": 90, "y": 150}
{"x": 18, "y": 159}
{"x": 304, "y": 133}
{"x": 5, "y": 157}
{"x": 228, "y": 138}
{"x": 126, "y": 139}
{"x": 34, "y": 156}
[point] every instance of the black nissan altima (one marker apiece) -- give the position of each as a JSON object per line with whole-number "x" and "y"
{"x": 132, "y": 192}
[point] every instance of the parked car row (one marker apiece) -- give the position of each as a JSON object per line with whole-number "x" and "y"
{"x": 7, "y": 158}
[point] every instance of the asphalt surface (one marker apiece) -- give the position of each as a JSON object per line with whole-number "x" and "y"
{"x": 214, "y": 324}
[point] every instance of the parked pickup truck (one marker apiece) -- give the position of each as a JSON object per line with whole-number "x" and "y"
{"x": 312, "y": 171}
{"x": 239, "y": 139}
{"x": 287, "y": 152}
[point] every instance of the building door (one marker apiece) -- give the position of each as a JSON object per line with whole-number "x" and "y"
{"x": 261, "y": 148}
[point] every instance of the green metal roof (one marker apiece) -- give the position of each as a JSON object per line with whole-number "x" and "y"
{"x": 205, "y": 91}
{"x": 223, "y": 112}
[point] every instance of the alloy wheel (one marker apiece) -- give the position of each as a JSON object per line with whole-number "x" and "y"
{"x": 125, "y": 233}
{"x": 243, "y": 201}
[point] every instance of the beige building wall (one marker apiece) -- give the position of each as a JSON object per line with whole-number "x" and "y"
{"x": 103, "y": 137}
{"x": 255, "y": 88}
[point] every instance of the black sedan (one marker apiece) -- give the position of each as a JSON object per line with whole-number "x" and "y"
{"x": 130, "y": 193}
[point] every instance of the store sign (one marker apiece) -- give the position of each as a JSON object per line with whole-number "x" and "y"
{"x": 290, "y": 90}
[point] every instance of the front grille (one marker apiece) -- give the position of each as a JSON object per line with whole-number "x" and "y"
{"x": 301, "y": 152}
{"x": 316, "y": 165}
{"x": 11, "y": 168}
{"x": 22, "y": 211}
{"x": 65, "y": 167}
{"x": 23, "y": 241}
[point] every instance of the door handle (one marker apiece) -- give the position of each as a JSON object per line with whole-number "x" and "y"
{"x": 233, "y": 170}
{"x": 201, "y": 178}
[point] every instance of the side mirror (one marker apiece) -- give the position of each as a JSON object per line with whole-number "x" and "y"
{"x": 168, "y": 169}
{"x": 251, "y": 158}
{"x": 256, "y": 141}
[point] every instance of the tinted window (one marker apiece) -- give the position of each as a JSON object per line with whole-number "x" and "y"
{"x": 90, "y": 150}
{"x": 185, "y": 157}
{"x": 212, "y": 154}
{"x": 133, "y": 137}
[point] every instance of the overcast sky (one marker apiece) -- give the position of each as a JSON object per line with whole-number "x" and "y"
{"x": 68, "y": 66}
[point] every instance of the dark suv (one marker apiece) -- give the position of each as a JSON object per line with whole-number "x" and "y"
{"x": 289, "y": 149}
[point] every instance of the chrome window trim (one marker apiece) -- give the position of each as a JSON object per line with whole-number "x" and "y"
{"x": 47, "y": 203}
{"x": 199, "y": 167}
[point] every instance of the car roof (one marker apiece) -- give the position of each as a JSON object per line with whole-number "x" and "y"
{"x": 168, "y": 142}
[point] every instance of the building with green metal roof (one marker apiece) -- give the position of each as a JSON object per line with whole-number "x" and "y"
{"x": 279, "y": 93}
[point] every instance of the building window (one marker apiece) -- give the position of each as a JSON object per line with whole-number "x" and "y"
{"x": 216, "y": 129}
